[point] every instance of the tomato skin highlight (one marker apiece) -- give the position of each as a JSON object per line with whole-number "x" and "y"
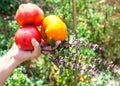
{"x": 24, "y": 36}
{"x": 29, "y": 14}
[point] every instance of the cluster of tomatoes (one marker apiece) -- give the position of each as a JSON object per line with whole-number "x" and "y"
{"x": 29, "y": 16}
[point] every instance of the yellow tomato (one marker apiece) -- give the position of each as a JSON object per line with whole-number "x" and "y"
{"x": 53, "y": 27}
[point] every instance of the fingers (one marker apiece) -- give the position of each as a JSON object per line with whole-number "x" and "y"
{"x": 56, "y": 44}
{"x": 44, "y": 52}
{"x": 37, "y": 50}
{"x": 43, "y": 43}
{"x": 47, "y": 49}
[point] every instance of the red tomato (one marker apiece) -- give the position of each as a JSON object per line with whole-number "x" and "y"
{"x": 29, "y": 14}
{"x": 25, "y": 34}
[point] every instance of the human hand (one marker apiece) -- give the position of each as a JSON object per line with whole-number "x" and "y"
{"x": 45, "y": 49}
{"x": 22, "y": 55}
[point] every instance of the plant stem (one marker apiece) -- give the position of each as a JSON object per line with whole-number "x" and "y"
{"x": 74, "y": 17}
{"x": 75, "y": 32}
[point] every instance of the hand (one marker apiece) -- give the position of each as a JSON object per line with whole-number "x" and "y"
{"x": 21, "y": 55}
{"x": 45, "y": 49}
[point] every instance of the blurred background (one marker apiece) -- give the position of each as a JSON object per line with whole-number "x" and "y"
{"x": 97, "y": 22}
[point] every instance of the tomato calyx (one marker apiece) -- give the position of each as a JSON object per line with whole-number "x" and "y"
{"x": 52, "y": 42}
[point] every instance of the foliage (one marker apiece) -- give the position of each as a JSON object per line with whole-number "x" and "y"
{"x": 102, "y": 28}
{"x": 96, "y": 23}
{"x": 7, "y": 39}
{"x": 2, "y": 52}
{"x": 18, "y": 78}
{"x": 102, "y": 79}
{"x": 8, "y": 6}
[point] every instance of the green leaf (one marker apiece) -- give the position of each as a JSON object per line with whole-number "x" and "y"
{"x": 52, "y": 42}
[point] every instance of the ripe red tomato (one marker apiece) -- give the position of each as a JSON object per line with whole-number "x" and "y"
{"x": 28, "y": 14}
{"x": 25, "y": 34}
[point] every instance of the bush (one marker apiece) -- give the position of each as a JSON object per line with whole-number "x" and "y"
{"x": 95, "y": 30}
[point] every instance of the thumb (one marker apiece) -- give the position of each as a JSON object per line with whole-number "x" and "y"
{"x": 37, "y": 50}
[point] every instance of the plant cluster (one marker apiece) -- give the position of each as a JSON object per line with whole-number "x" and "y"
{"x": 69, "y": 57}
{"x": 89, "y": 60}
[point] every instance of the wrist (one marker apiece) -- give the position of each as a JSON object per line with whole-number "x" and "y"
{"x": 8, "y": 63}
{"x": 13, "y": 59}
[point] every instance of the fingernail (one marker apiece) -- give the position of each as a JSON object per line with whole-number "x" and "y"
{"x": 33, "y": 42}
{"x": 58, "y": 42}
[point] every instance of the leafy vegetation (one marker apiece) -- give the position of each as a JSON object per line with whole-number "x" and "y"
{"x": 97, "y": 25}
